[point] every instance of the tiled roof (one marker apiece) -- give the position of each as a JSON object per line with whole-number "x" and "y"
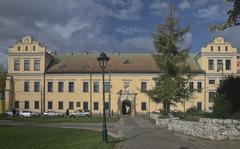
{"x": 118, "y": 63}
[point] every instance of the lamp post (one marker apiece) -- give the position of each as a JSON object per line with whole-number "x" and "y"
{"x": 103, "y": 60}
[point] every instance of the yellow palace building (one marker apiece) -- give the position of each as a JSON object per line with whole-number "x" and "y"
{"x": 40, "y": 81}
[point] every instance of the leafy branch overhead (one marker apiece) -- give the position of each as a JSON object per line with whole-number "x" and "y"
{"x": 232, "y": 20}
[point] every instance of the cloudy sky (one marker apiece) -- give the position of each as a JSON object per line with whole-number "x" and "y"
{"x": 106, "y": 25}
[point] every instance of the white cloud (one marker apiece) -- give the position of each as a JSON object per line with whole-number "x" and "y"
{"x": 3, "y": 58}
{"x": 131, "y": 30}
{"x": 187, "y": 40}
{"x": 199, "y": 3}
{"x": 159, "y": 8}
{"x": 209, "y": 14}
{"x": 185, "y": 4}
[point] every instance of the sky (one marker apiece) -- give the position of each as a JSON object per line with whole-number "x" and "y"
{"x": 107, "y": 25}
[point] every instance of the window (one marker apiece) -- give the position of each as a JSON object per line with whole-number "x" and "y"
{"x": 126, "y": 84}
{"x": 70, "y": 86}
{"x": 60, "y": 87}
{"x": 60, "y": 105}
{"x": 26, "y": 86}
{"x": 49, "y": 104}
{"x": 78, "y": 104}
{"x": 226, "y": 48}
{"x": 211, "y": 81}
{"x": 199, "y": 106}
{"x": 36, "y": 65}
{"x": 219, "y": 65}
{"x": 143, "y": 106}
{"x": 26, "y": 65}
{"x": 106, "y": 105}
{"x": 85, "y": 87}
{"x": 107, "y": 86}
{"x": 95, "y": 87}
{"x": 19, "y": 48}
{"x": 34, "y": 48}
{"x": 16, "y": 65}
{"x": 71, "y": 105}
{"x": 211, "y": 96}
{"x": 210, "y": 108}
{"x": 211, "y": 48}
{"x": 16, "y": 104}
{"x": 50, "y": 86}
{"x": 36, "y": 105}
{"x": 191, "y": 86}
{"x": 143, "y": 86}
{"x": 95, "y": 105}
{"x": 26, "y": 48}
{"x": 228, "y": 64}
{"x": 210, "y": 64}
{"x": 26, "y": 104}
{"x": 219, "y": 48}
{"x": 199, "y": 87}
{"x": 36, "y": 86}
{"x": 85, "y": 105}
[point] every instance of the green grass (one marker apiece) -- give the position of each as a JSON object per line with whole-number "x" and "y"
{"x": 22, "y": 137}
{"x": 94, "y": 119}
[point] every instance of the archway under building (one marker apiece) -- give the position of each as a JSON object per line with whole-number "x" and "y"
{"x": 126, "y": 107}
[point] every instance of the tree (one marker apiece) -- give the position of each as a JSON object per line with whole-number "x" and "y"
{"x": 233, "y": 17}
{"x": 3, "y": 74}
{"x": 171, "y": 83}
{"x": 227, "y": 103}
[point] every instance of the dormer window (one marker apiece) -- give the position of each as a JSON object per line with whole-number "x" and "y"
{"x": 34, "y": 48}
{"x": 211, "y": 48}
{"x": 26, "y": 48}
{"x": 226, "y": 48}
{"x": 19, "y": 48}
{"x": 219, "y": 48}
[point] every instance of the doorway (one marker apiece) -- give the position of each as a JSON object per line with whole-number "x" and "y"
{"x": 126, "y": 107}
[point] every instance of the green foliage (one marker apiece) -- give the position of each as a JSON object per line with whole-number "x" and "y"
{"x": 233, "y": 17}
{"x": 171, "y": 85}
{"x": 227, "y": 103}
{"x": 3, "y": 74}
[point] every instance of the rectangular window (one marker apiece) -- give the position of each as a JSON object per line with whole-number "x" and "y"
{"x": 78, "y": 104}
{"x": 60, "y": 105}
{"x": 210, "y": 64}
{"x": 226, "y": 48}
{"x": 16, "y": 104}
{"x": 126, "y": 84}
{"x": 95, "y": 105}
{"x": 85, "y": 87}
{"x": 36, "y": 105}
{"x": 143, "y": 86}
{"x": 16, "y": 65}
{"x": 210, "y": 108}
{"x": 26, "y": 104}
{"x": 191, "y": 86}
{"x": 36, "y": 86}
{"x": 211, "y": 96}
{"x": 70, "y": 86}
{"x": 228, "y": 64}
{"x": 50, "y": 86}
{"x": 211, "y": 48}
{"x": 95, "y": 87}
{"x": 219, "y": 65}
{"x": 26, "y": 86}
{"x": 49, "y": 104}
{"x": 19, "y": 48}
{"x": 85, "y": 105}
{"x": 211, "y": 81}
{"x": 36, "y": 65}
{"x": 71, "y": 105}
{"x": 26, "y": 48}
{"x": 143, "y": 106}
{"x": 60, "y": 87}
{"x": 34, "y": 48}
{"x": 219, "y": 48}
{"x": 26, "y": 65}
{"x": 199, "y": 87}
{"x": 107, "y": 86}
{"x": 199, "y": 106}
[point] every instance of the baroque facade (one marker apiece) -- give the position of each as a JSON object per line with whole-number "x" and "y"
{"x": 42, "y": 81}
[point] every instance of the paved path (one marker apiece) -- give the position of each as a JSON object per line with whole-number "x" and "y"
{"x": 138, "y": 133}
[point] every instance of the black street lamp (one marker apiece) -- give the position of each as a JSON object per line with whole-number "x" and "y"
{"x": 103, "y": 60}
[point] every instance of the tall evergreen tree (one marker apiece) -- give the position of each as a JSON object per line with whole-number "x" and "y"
{"x": 3, "y": 74}
{"x": 171, "y": 84}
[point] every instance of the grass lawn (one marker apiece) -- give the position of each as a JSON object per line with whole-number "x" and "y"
{"x": 22, "y": 137}
{"x": 94, "y": 119}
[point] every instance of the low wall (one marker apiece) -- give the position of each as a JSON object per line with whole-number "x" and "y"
{"x": 213, "y": 129}
{"x": 161, "y": 121}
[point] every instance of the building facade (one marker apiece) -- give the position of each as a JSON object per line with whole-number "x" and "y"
{"x": 42, "y": 81}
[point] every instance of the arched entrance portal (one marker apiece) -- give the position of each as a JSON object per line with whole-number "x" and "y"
{"x": 126, "y": 107}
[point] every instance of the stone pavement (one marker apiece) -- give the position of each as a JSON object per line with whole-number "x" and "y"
{"x": 139, "y": 133}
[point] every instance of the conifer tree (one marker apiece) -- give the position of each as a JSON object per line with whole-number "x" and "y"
{"x": 171, "y": 83}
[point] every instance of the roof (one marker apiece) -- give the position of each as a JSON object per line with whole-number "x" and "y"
{"x": 118, "y": 63}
